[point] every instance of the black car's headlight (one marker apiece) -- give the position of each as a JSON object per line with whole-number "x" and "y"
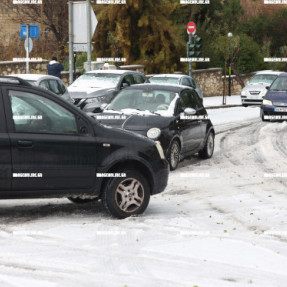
{"x": 153, "y": 133}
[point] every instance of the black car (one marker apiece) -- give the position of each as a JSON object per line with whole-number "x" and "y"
{"x": 274, "y": 105}
{"x": 100, "y": 86}
{"x": 50, "y": 148}
{"x": 171, "y": 114}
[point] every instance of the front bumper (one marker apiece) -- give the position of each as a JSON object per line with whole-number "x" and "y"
{"x": 250, "y": 101}
{"x": 161, "y": 172}
{"x": 274, "y": 112}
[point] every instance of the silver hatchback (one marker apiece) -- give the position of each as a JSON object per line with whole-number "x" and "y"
{"x": 47, "y": 82}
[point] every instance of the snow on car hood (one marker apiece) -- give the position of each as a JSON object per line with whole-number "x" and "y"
{"x": 133, "y": 121}
{"x": 257, "y": 86}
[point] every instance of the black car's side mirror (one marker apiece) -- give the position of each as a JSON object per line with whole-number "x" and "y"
{"x": 268, "y": 88}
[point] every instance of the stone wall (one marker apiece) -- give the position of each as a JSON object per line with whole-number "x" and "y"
{"x": 209, "y": 81}
{"x": 11, "y": 67}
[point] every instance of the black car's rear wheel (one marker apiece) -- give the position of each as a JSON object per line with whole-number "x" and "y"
{"x": 208, "y": 149}
{"x": 123, "y": 197}
{"x": 173, "y": 156}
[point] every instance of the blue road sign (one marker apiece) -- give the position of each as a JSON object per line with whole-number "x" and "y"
{"x": 33, "y": 31}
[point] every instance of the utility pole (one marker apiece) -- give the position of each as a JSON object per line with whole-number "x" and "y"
{"x": 70, "y": 43}
{"x": 27, "y": 50}
{"x": 89, "y": 53}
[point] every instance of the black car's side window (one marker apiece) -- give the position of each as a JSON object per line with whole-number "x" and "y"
{"x": 186, "y": 100}
{"x": 138, "y": 79}
{"x": 196, "y": 101}
{"x": 35, "y": 114}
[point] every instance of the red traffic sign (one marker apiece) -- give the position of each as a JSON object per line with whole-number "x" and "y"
{"x": 191, "y": 28}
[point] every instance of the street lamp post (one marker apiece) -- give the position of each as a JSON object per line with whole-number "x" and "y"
{"x": 229, "y": 35}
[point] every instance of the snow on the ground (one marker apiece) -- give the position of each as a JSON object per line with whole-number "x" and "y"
{"x": 226, "y": 118}
{"x": 217, "y": 101}
{"x": 220, "y": 222}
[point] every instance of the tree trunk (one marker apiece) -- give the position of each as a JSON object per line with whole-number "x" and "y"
{"x": 238, "y": 78}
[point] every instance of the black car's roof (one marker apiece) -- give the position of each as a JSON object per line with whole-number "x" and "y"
{"x": 167, "y": 87}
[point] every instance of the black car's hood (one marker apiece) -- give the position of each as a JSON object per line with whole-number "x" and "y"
{"x": 133, "y": 122}
{"x": 276, "y": 96}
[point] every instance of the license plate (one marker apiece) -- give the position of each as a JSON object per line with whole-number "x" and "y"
{"x": 280, "y": 109}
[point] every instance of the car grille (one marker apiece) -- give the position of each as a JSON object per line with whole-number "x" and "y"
{"x": 280, "y": 104}
{"x": 254, "y": 93}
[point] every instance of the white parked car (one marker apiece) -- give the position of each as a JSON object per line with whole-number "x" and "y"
{"x": 50, "y": 83}
{"x": 255, "y": 89}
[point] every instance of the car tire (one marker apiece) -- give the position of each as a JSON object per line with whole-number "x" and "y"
{"x": 208, "y": 149}
{"x": 79, "y": 200}
{"x": 244, "y": 105}
{"x": 123, "y": 197}
{"x": 173, "y": 156}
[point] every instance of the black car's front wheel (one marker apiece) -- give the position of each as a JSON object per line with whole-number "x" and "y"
{"x": 126, "y": 196}
{"x": 173, "y": 156}
{"x": 208, "y": 149}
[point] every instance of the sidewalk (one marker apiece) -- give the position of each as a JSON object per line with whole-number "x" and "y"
{"x": 216, "y": 102}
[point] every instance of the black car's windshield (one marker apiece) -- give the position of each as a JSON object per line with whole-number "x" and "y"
{"x": 98, "y": 79}
{"x": 263, "y": 78}
{"x": 163, "y": 80}
{"x": 145, "y": 100}
{"x": 280, "y": 84}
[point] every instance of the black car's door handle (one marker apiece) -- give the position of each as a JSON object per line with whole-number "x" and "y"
{"x": 25, "y": 143}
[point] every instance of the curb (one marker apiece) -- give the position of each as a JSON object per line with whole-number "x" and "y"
{"x": 226, "y": 106}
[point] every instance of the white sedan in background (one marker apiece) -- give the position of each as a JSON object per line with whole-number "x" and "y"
{"x": 50, "y": 83}
{"x": 255, "y": 89}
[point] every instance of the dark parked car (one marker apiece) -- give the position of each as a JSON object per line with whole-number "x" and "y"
{"x": 274, "y": 105}
{"x": 171, "y": 114}
{"x": 50, "y": 148}
{"x": 100, "y": 86}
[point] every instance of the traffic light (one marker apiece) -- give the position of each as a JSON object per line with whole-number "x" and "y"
{"x": 197, "y": 42}
{"x": 193, "y": 47}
